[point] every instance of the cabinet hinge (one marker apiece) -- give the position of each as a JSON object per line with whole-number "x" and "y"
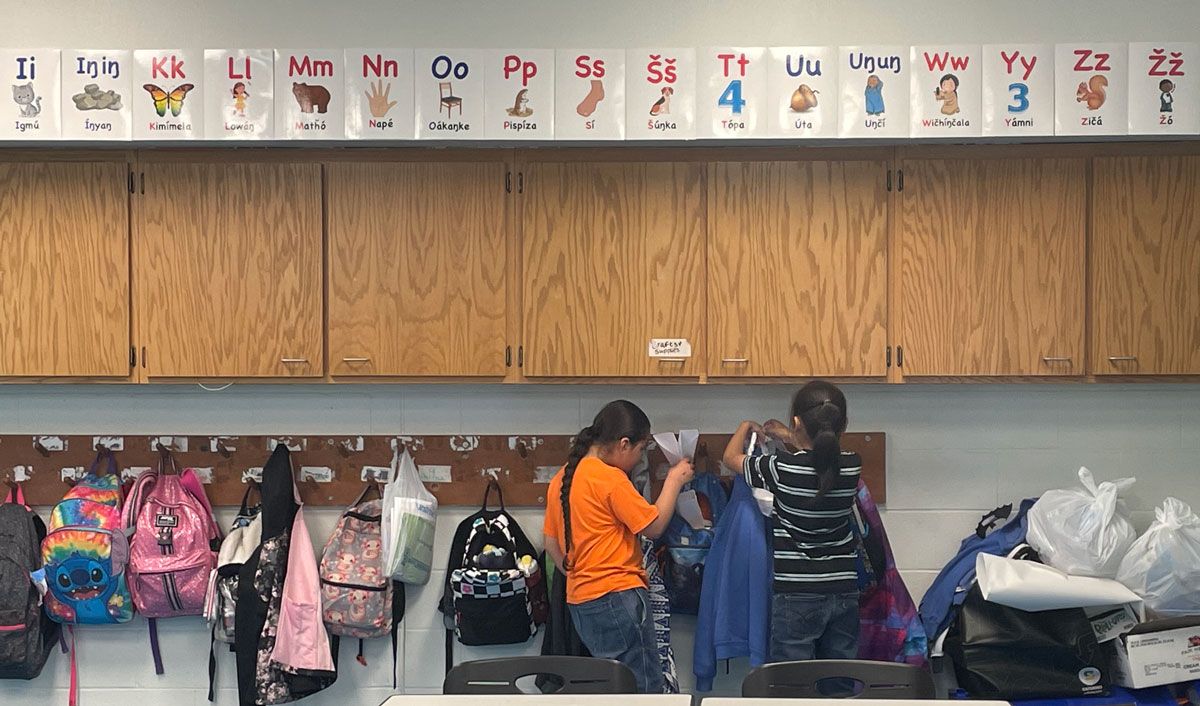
{"x": 899, "y": 356}
{"x": 132, "y": 356}
{"x": 889, "y": 180}
{"x": 899, "y": 180}
{"x": 508, "y": 182}
{"x": 520, "y": 356}
{"x": 508, "y": 356}
{"x": 888, "y": 356}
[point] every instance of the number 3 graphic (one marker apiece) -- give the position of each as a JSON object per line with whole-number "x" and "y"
{"x": 1020, "y": 93}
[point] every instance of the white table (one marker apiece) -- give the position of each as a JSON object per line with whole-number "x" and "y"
{"x": 543, "y": 700}
{"x": 724, "y": 701}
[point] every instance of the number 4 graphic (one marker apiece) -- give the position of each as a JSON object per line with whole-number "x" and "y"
{"x": 1020, "y": 96}
{"x": 732, "y": 97}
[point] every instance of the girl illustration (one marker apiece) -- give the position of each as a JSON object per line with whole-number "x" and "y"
{"x": 874, "y": 95}
{"x": 947, "y": 93}
{"x": 592, "y": 533}
{"x": 239, "y": 99}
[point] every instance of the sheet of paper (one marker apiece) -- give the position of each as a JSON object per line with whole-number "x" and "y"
{"x": 669, "y": 443}
{"x": 1029, "y": 586}
{"x": 689, "y": 509}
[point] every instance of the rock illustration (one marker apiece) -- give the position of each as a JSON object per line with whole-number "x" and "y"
{"x": 93, "y": 98}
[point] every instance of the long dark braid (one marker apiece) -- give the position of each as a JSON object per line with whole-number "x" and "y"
{"x": 579, "y": 448}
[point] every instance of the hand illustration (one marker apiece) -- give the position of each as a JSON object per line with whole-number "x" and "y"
{"x": 377, "y": 99}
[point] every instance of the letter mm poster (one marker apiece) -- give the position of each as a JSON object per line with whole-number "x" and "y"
{"x": 33, "y": 113}
{"x": 802, "y": 91}
{"x": 1091, "y": 89}
{"x": 660, "y": 94}
{"x": 379, "y": 94}
{"x": 96, "y": 101}
{"x": 449, "y": 93}
{"x": 309, "y": 94}
{"x": 874, "y": 91}
{"x": 589, "y": 90}
{"x": 1018, "y": 89}
{"x": 1164, "y": 96}
{"x": 169, "y": 103}
{"x": 519, "y": 94}
{"x": 947, "y": 91}
{"x": 732, "y": 96}
{"x": 239, "y": 90}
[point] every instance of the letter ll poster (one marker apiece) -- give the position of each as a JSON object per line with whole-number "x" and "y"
{"x": 660, "y": 94}
{"x": 169, "y": 99}
{"x": 449, "y": 93}
{"x": 1091, "y": 87}
{"x": 96, "y": 94}
{"x": 1018, "y": 89}
{"x": 1164, "y": 96}
{"x": 239, "y": 90}
{"x": 589, "y": 89}
{"x": 33, "y": 113}
{"x": 803, "y": 91}
{"x": 874, "y": 91}
{"x": 947, "y": 91}
{"x": 732, "y": 100}
{"x": 309, "y": 94}
{"x": 519, "y": 88}
{"x": 379, "y": 94}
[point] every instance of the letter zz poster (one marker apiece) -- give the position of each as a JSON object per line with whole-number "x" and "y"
{"x": 1018, "y": 89}
{"x": 1091, "y": 89}
{"x": 1163, "y": 91}
{"x": 309, "y": 94}
{"x": 874, "y": 91}
{"x": 947, "y": 91}
{"x": 379, "y": 94}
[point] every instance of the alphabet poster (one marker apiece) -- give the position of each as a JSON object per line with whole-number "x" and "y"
{"x": 947, "y": 91}
{"x": 1018, "y": 89}
{"x": 309, "y": 94}
{"x": 802, "y": 88}
{"x": 450, "y": 93}
{"x": 1164, "y": 96}
{"x": 660, "y": 94}
{"x": 96, "y": 89}
{"x": 379, "y": 94}
{"x": 239, "y": 90}
{"x": 732, "y": 97}
{"x": 33, "y": 111}
{"x": 1091, "y": 86}
{"x": 169, "y": 103}
{"x": 589, "y": 89}
{"x": 874, "y": 91}
{"x": 519, "y": 86}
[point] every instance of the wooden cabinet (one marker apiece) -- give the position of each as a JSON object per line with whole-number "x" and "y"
{"x": 1145, "y": 261}
{"x": 992, "y": 266}
{"x": 64, "y": 269}
{"x": 227, "y": 265}
{"x": 797, "y": 276}
{"x": 417, "y": 268}
{"x": 613, "y": 256}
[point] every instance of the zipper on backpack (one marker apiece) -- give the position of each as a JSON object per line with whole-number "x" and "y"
{"x": 355, "y": 587}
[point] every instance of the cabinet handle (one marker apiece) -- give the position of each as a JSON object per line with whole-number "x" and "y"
{"x": 1056, "y": 359}
{"x": 290, "y": 361}
{"x": 735, "y": 360}
{"x": 672, "y": 360}
{"x": 353, "y": 360}
{"x": 1122, "y": 358}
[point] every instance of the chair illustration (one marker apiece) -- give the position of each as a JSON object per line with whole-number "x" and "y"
{"x": 448, "y": 99}
{"x": 836, "y": 678}
{"x": 560, "y": 675}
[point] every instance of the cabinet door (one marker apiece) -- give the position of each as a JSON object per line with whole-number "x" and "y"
{"x": 992, "y": 267}
{"x": 798, "y": 269}
{"x": 417, "y": 275}
{"x": 229, "y": 270}
{"x": 64, "y": 269}
{"x": 1146, "y": 266}
{"x": 613, "y": 256}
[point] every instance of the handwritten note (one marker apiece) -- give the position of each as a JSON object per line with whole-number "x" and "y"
{"x": 670, "y": 348}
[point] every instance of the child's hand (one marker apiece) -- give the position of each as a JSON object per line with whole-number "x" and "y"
{"x": 752, "y": 426}
{"x": 682, "y": 472}
{"x": 778, "y": 430}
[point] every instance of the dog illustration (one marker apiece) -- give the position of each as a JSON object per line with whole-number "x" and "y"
{"x": 662, "y": 106}
{"x": 520, "y": 107}
{"x": 1092, "y": 92}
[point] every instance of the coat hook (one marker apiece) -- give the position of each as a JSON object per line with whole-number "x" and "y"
{"x": 37, "y": 444}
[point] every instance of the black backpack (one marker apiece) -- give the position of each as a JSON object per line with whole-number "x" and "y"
{"x": 26, "y": 634}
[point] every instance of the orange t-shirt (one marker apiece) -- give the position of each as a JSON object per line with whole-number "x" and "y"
{"x": 606, "y": 515}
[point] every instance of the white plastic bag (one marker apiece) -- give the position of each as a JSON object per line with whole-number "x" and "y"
{"x": 764, "y": 498}
{"x": 409, "y": 521}
{"x": 1163, "y": 565}
{"x": 1083, "y": 531}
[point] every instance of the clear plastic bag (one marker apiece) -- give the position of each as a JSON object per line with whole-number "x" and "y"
{"x": 1163, "y": 565}
{"x": 409, "y": 521}
{"x": 1083, "y": 531}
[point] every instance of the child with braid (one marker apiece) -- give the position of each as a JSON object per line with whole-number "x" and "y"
{"x": 593, "y": 517}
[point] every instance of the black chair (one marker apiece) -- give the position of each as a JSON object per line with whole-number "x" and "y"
{"x": 837, "y": 678}
{"x": 571, "y": 675}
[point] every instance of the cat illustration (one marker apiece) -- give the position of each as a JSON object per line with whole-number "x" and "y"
{"x": 312, "y": 96}
{"x": 30, "y": 103}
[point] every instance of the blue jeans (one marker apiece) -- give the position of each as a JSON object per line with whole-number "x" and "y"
{"x": 619, "y": 626}
{"x": 814, "y": 626}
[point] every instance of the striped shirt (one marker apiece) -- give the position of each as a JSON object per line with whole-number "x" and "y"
{"x": 815, "y": 549}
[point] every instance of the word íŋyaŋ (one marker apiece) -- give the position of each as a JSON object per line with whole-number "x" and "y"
{"x": 91, "y": 126}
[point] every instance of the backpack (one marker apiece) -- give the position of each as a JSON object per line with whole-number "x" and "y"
{"x": 85, "y": 552}
{"x": 220, "y": 604}
{"x": 358, "y": 598}
{"x": 26, "y": 634}
{"x": 950, "y": 587}
{"x": 682, "y": 549}
{"x": 172, "y": 552}
{"x": 498, "y": 596}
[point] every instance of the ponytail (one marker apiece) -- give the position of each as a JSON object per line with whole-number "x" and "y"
{"x": 821, "y": 408}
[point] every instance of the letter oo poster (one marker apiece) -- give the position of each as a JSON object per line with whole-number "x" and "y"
{"x": 449, "y": 93}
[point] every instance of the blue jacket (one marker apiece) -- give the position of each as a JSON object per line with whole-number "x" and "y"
{"x": 735, "y": 598}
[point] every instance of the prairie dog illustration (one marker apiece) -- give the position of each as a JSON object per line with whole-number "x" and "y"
{"x": 520, "y": 107}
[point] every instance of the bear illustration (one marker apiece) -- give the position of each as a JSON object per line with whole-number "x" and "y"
{"x": 311, "y": 96}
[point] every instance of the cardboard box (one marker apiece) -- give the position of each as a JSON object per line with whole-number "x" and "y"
{"x": 1159, "y": 652}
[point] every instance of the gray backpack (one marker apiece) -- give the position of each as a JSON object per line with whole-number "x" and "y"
{"x": 26, "y": 634}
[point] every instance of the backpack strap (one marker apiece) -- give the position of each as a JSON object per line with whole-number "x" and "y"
{"x": 137, "y": 495}
{"x": 397, "y": 617}
{"x": 488, "y": 492}
{"x": 193, "y": 487}
{"x": 73, "y": 694}
{"x": 16, "y": 494}
{"x": 155, "y": 650}
{"x": 212, "y": 664}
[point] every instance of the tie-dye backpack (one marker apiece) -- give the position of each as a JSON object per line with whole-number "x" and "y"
{"x": 85, "y": 552}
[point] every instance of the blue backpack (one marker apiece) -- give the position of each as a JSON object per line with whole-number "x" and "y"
{"x": 682, "y": 550}
{"x": 956, "y": 578}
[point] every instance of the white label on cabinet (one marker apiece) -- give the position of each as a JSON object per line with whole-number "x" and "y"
{"x": 319, "y": 474}
{"x": 434, "y": 474}
{"x": 670, "y": 348}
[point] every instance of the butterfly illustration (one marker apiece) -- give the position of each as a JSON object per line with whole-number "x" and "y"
{"x": 162, "y": 99}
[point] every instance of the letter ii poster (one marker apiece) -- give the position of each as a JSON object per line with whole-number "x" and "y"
{"x": 33, "y": 113}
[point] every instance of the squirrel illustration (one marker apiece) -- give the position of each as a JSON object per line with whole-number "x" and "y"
{"x": 1092, "y": 92}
